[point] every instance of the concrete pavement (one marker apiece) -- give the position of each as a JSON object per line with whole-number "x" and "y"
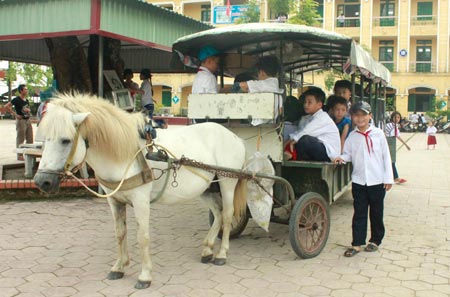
{"x": 66, "y": 247}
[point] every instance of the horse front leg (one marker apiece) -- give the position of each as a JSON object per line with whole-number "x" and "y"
{"x": 141, "y": 207}
{"x": 119, "y": 213}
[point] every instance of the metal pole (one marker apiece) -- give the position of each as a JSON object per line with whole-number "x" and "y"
{"x": 100, "y": 66}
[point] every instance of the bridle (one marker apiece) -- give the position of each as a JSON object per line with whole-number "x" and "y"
{"x": 66, "y": 171}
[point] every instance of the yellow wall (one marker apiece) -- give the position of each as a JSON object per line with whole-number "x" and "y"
{"x": 404, "y": 34}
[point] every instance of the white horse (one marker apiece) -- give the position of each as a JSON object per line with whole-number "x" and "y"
{"x": 84, "y": 128}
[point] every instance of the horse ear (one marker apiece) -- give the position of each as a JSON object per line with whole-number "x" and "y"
{"x": 78, "y": 118}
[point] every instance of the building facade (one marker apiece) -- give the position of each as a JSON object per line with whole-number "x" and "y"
{"x": 410, "y": 37}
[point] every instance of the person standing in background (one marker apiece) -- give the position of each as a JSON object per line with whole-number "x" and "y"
{"x": 146, "y": 91}
{"x": 129, "y": 83}
{"x": 22, "y": 114}
{"x": 431, "y": 132}
{"x": 392, "y": 130}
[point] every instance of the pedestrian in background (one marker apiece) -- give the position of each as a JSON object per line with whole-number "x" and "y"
{"x": 366, "y": 147}
{"x": 146, "y": 91}
{"x": 392, "y": 130}
{"x": 431, "y": 132}
{"x": 22, "y": 114}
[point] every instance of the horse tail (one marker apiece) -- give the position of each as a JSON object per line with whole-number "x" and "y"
{"x": 240, "y": 199}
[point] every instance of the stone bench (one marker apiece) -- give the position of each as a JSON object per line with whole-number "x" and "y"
{"x": 33, "y": 151}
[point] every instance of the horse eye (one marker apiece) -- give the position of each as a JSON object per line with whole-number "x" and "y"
{"x": 65, "y": 141}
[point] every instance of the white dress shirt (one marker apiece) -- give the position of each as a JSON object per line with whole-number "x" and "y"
{"x": 321, "y": 126}
{"x": 370, "y": 157}
{"x": 204, "y": 82}
{"x": 268, "y": 85}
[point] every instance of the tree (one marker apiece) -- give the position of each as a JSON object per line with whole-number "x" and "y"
{"x": 251, "y": 15}
{"x": 304, "y": 12}
{"x": 280, "y": 6}
{"x": 35, "y": 76}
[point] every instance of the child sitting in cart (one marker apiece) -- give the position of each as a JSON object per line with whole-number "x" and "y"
{"x": 268, "y": 68}
{"x": 338, "y": 111}
{"x": 367, "y": 148}
{"x": 343, "y": 88}
{"x": 317, "y": 137}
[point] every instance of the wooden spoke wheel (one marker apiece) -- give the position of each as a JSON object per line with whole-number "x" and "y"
{"x": 309, "y": 225}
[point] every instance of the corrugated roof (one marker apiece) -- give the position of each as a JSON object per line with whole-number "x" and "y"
{"x": 146, "y": 31}
{"x": 302, "y": 48}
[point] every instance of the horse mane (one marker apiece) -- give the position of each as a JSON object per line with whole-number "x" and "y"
{"x": 108, "y": 128}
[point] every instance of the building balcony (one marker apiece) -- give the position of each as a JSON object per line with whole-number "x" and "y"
{"x": 348, "y": 22}
{"x": 423, "y": 25}
{"x": 384, "y": 26}
{"x": 390, "y": 65}
{"x": 421, "y": 66}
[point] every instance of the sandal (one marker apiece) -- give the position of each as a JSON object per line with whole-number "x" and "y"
{"x": 400, "y": 181}
{"x": 371, "y": 247}
{"x": 350, "y": 252}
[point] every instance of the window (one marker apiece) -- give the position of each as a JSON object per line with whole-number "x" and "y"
{"x": 206, "y": 13}
{"x": 386, "y": 54}
{"x": 387, "y": 13}
{"x": 166, "y": 96}
{"x": 424, "y": 11}
{"x": 348, "y": 15}
{"x": 423, "y": 56}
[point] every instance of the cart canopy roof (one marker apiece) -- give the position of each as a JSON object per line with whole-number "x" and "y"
{"x": 301, "y": 48}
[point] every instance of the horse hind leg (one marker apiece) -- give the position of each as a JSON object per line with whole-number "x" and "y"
{"x": 119, "y": 214}
{"x": 227, "y": 189}
{"x": 213, "y": 200}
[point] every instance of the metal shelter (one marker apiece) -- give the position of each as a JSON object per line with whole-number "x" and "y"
{"x": 146, "y": 32}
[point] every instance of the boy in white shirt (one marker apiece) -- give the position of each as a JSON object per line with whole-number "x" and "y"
{"x": 317, "y": 137}
{"x": 268, "y": 68}
{"x": 205, "y": 82}
{"x": 366, "y": 147}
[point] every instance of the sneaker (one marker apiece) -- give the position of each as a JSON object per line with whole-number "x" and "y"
{"x": 400, "y": 181}
{"x": 20, "y": 158}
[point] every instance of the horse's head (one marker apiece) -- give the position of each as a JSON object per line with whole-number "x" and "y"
{"x": 64, "y": 147}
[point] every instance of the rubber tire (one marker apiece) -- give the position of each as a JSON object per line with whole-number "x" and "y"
{"x": 302, "y": 205}
{"x": 237, "y": 227}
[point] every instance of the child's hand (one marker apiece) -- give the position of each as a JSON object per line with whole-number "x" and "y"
{"x": 289, "y": 142}
{"x": 338, "y": 160}
{"x": 387, "y": 187}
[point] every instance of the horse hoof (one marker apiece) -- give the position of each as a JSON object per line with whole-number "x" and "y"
{"x": 207, "y": 259}
{"x": 142, "y": 285}
{"x": 220, "y": 261}
{"x": 113, "y": 275}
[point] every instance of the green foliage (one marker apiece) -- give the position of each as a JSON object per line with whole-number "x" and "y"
{"x": 304, "y": 13}
{"x": 280, "y": 6}
{"x": 35, "y": 76}
{"x": 252, "y": 14}
{"x": 333, "y": 75}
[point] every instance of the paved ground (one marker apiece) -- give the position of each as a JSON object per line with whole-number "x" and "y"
{"x": 66, "y": 247}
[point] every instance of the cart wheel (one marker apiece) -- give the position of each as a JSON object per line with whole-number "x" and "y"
{"x": 309, "y": 225}
{"x": 237, "y": 227}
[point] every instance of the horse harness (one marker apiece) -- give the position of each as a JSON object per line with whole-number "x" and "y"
{"x": 143, "y": 177}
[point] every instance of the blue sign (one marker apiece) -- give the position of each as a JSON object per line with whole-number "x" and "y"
{"x": 403, "y": 53}
{"x": 221, "y": 17}
{"x": 175, "y": 99}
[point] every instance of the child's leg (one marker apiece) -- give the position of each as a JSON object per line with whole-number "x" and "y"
{"x": 310, "y": 148}
{"x": 360, "y": 206}
{"x": 394, "y": 170}
{"x": 376, "y": 202}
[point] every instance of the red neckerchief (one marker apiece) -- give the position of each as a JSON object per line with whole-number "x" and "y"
{"x": 368, "y": 139}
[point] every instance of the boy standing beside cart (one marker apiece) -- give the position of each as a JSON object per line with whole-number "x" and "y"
{"x": 366, "y": 147}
